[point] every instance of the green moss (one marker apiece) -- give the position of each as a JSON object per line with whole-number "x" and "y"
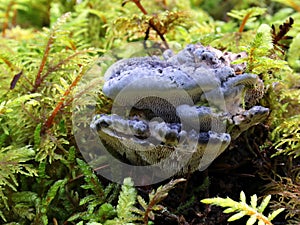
{"x": 46, "y": 47}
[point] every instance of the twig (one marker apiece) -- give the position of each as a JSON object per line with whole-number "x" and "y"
{"x": 242, "y": 26}
{"x": 60, "y": 104}
{"x": 294, "y": 5}
{"x": 5, "y": 24}
{"x": 8, "y": 63}
{"x": 38, "y": 79}
{"x": 139, "y": 5}
{"x": 95, "y": 170}
{"x": 151, "y": 23}
{"x": 153, "y": 26}
{"x": 62, "y": 62}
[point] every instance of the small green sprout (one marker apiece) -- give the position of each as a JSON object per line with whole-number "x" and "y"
{"x": 243, "y": 209}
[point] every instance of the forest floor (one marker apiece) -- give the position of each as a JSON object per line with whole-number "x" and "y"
{"x": 238, "y": 169}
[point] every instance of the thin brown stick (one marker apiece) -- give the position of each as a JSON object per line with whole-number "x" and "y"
{"x": 8, "y": 63}
{"x": 5, "y": 24}
{"x": 80, "y": 93}
{"x": 58, "y": 66}
{"x": 94, "y": 170}
{"x": 146, "y": 38}
{"x": 242, "y": 26}
{"x": 38, "y": 79}
{"x": 60, "y": 104}
{"x": 62, "y": 62}
{"x": 140, "y": 6}
{"x": 14, "y": 18}
{"x": 294, "y": 5}
{"x": 151, "y": 24}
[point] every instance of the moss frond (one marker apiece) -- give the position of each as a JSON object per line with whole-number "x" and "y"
{"x": 242, "y": 208}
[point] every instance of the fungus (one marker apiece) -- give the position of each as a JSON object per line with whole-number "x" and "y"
{"x": 180, "y": 111}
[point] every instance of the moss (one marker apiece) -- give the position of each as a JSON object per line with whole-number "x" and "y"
{"x": 45, "y": 52}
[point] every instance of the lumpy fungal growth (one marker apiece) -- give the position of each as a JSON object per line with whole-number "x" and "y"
{"x": 180, "y": 111}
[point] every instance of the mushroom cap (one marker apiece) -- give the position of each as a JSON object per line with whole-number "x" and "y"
{"x": 135, "y": 75}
